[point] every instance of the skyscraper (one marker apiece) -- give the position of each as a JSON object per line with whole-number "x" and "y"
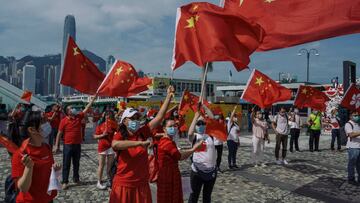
{"x": 29, "y": 75}
{"x": 69, "y": 29}
{"x": 110, "y": 61}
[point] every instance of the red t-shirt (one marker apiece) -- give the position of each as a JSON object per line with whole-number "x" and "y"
{"x": 133, "y": 166}
{"x": 43, "y": 161}
{"x": 105, "y": 142}
{"x": 71, "y": 128}
{"x": 56, "y": 121}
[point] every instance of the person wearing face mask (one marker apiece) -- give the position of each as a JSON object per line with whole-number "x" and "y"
{"x": 352, "y": 129}
{"x": 280, "y": 126}
{"x": 70, "y": 128}
{"x": 233, "y": 140}
{"x": 54, "y": 117}
{"x": 260, "y": 127}
{"x": 219, "y": 144}
{"x": 314, "y": 122}
{"x": 32, "y": 164}
{"x": 131, "y": 180}
{"x": 335, "y": 129}
{"x": 104, "y": 133}
{"x": 295, "y": 124}
{"x": 203, "y": 168}
{"x": 169, "y": 188}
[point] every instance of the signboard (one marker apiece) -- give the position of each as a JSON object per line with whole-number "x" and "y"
{"x": 160, "y": 85}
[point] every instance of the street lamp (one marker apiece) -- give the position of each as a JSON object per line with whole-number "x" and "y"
{"x": 308, "y": 52}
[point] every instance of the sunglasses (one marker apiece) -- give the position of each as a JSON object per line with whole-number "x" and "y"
{"x": 200, "y": 123}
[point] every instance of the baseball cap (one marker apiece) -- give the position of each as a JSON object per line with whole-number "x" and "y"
{"x": 128, "y": 113}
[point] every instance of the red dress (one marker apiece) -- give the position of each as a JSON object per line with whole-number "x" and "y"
{"x": 169, "y": 189}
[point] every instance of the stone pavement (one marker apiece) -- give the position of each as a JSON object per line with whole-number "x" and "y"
{"x": 309, "y": 177}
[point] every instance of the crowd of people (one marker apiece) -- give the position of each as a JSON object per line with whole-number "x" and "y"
{"x": 127, "y": 137}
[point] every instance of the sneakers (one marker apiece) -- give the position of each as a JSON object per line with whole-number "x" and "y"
{"x": 256, "y": 165}
{"x": 263, "y": 165}
{"x": 65, "y": 186}
{"x": 285, "y": 162}
{"x": 279, "y": 162}
{"x": 100, "y": 186}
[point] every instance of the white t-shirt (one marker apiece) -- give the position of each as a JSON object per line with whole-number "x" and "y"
{"x": 206, "y": 160}
{"x": 295, "y": 124}
{"x": 217, "y": 142}
{"x": 234, "y": 132}
{"x": 282, "y": 125}
{"x": 353, "y": 142}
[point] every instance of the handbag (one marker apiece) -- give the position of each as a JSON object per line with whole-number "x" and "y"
{"x": 208, "y": 175}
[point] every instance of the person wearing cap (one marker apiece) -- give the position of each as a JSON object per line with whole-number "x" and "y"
{"x": 104, "y": 133}
{"x": 233, "y": 140}
{"x": 70, "y": 128}
{"x": 203, "y": 168}
{"x": 169, "y": 187}
{"x": 33, "y": 163}
{"x": 130, "y": 183}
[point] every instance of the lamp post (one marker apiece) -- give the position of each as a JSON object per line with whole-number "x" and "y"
{"x": 308, "y": 52}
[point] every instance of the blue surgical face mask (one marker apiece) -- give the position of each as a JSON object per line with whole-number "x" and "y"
{"x": 217, "y": 117}
{"x": 171, "y": 131}
{"x": 73, "y": 111}
{"x": 356, "y": 119}
{"x": 200, "y": 129}
{"x": 133, "y": 126}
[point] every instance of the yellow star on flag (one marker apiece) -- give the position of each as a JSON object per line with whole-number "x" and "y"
{"x": 76, "y": 51}
{"x": 195, "y": 7}
{"x": 186, "y": 97}
{"x": 191, "y": 22}
{"x": 259, "y": 81}
{"x": 119, "y": 70}
{"x": 241, "y": 2}
{"x": 304, "y": 91}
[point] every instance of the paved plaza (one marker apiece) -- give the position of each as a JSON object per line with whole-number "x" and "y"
{"x": 309, "y": 177}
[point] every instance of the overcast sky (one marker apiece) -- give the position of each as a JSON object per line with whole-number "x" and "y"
{"x": 142, "y": 33}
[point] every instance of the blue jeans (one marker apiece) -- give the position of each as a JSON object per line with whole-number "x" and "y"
{"x": 71, "y": 152}
{"x": 353, "y": 162}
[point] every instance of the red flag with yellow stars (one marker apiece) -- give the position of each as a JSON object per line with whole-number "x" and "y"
{"x": 123, "y": 81}
{"x": 205, "y": 33}
{"x": 292, "y": 22}
{"x": 216, "y": 129}
{"x": 310, "y": 97}
{"x": 78, "y": 71}
{"x": 26, "y": 96}
{"x": 189, "y": 101}
{"x": 263, "y": 91}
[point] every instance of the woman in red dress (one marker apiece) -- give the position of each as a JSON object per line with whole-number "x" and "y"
{"x": 104, "y": 133}
{"x": 131, "y": 181}
{"x": 32, "y": 165}
{"x": 169, "y": 188}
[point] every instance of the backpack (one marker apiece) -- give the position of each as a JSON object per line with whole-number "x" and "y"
{"x": 343, "y": 135}
{"x": 10, "y": 190}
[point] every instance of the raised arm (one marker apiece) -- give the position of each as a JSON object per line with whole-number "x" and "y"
{"x": 208, "y": 111}
{"x": 87, "y": 108}
{"x": 161, "y": 114}
{"x": 191, "y": 130}
{"x": 124, "y": 144}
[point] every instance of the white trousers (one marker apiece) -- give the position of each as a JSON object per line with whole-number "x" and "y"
{"x": 258, "y": 150}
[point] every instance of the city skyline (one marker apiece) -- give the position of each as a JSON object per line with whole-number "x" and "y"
{"x": 133, "y": 32}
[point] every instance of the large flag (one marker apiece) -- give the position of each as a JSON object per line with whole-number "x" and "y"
{"x": 205, "y": 33}
{"x": 263, "y": 91}
{"x": 292, "y": 22}
{"x": 311, "y": 97}
{"x": 78, "y": 71}
{"x": 123, "y": 81}
{"x": 8, "y": 144}
{"x": 351, "y": 99}
{"x": 189, "y": 101}
{"x": 216, "y": 129}
{"x": 26, "y": 96}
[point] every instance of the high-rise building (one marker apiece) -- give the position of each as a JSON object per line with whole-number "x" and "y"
{"x": 29, "y": 75}
{"x": 110, "y": 61}
{"x": 69, "y": 30}
{"x": 56, "y": 80}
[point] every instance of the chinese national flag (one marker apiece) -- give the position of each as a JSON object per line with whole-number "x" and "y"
{"x": 351, "y": 98}
{"x": 292, "y": 22}
{"x": 26, "y": 96}
{"x": 123, "y": 81}
{"x": 206, "y": 33}
{"x": 78, "y": 71}
{"x": 263, "y": 91}
{"x": 189, "y": 101}
{"x": 311, "y": 97}
{"x": 216, "y": 129}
